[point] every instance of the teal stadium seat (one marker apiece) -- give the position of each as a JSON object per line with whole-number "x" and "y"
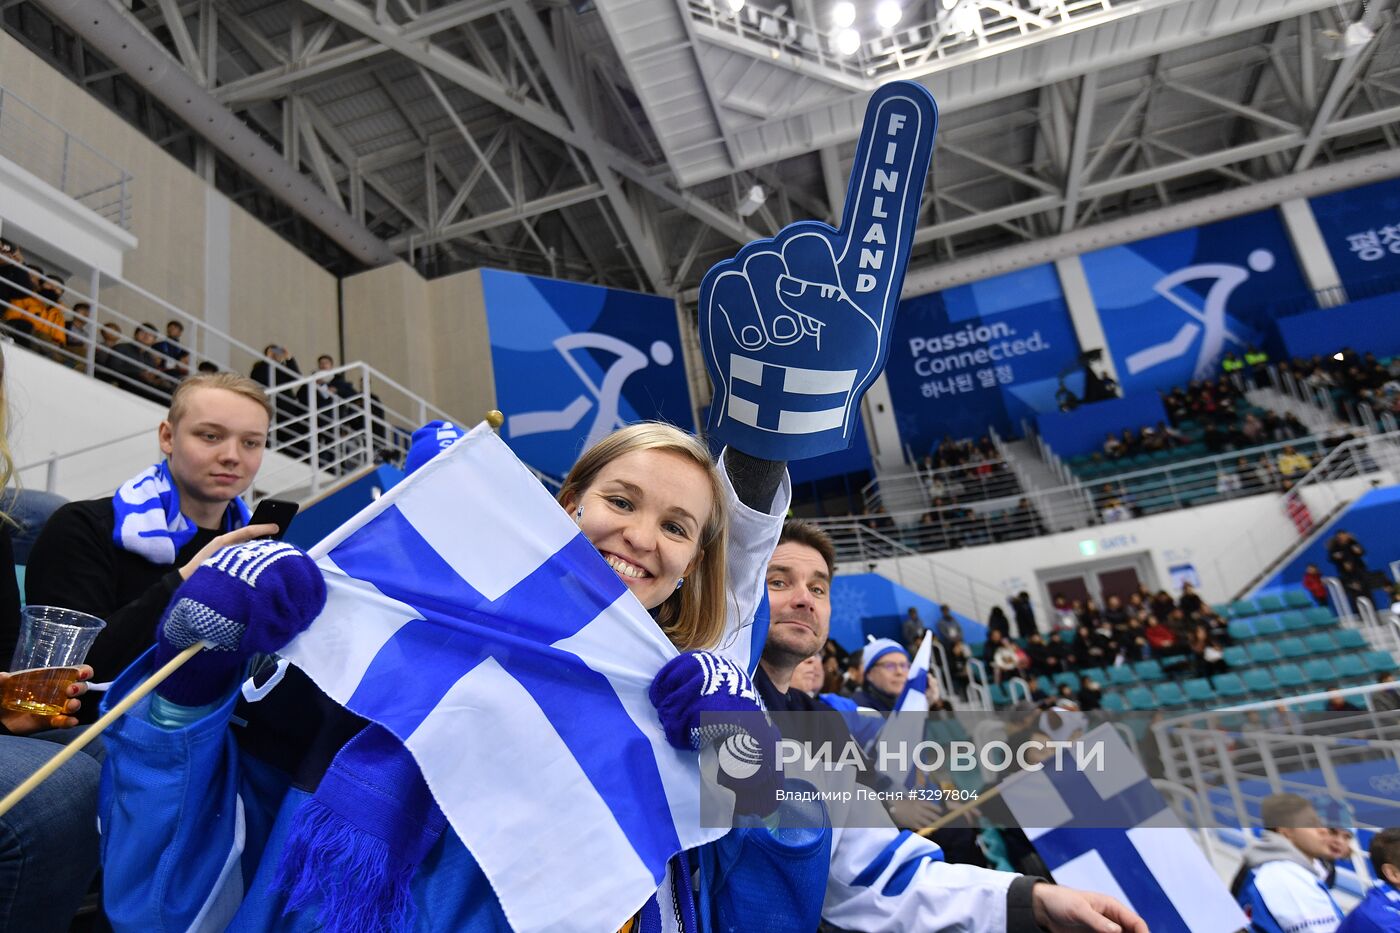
{"x": 1149, "y": 670}
{"x": 1350, "y": 667}
{"x": 1297, "y": 599}
{"x": 1121, "y": 676}
{"x": 1221, "y": 609}
{"x": 1169, "y": 694}
{"x": 1094, "y": 673}
{"x": 1289, "y": 677}
{"x": 1068, "y": 677}
{"x": 1379, "y": 662}
{"x": 1319, "y": 616}
{"x": 1268, "y": 626}
{"x": 1292, "y": 648}
{"x": 1319, "y": 643}
{"x": 1140, "y": 699}
{"x": 1259, "y": 681}
{"x": 1241, "y": 608}
{"x": 1241, "y": 629}
{"x": 1114, "y": 703}
{"x": 1237, "y": 657}
{"x": 1349, "y": 639}
{"x": 999, "y": 695}
{"x": 1230, "y": 686}
{"x": 1294, "y": 621}
{"x": 1263, "y": 652}
{"x": 1319, "y": 672}
{"x": 1269, "y": 602}
{"x": 1199, "y": 690}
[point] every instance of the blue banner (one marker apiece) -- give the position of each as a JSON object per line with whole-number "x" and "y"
{"x": 573, "y": 362}
{"x": 980, "y": 355}
{"x": 1361, "y": 228}
{"x": 1173, "y": 305}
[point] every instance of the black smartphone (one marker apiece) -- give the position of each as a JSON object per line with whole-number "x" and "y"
{"x": 277, "y": 512}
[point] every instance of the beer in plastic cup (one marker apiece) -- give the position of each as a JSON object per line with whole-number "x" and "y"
{"x": 53, "y": 643}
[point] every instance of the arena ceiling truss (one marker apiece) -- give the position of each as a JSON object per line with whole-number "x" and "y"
{"x": 621, "y": 141}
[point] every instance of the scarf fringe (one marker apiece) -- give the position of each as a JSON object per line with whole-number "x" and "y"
{"x": 361, "y": 886}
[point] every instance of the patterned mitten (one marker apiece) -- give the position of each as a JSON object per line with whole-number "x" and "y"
{"x": 247, "y": 599}
{"x": 706, "y": 699}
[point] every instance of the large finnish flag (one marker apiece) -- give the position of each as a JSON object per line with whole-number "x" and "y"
{"x": 467, "y": 614}
{"x": 1109, "y": 830}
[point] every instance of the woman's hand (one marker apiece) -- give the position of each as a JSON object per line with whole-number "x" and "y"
{"x": 25, "y": 723}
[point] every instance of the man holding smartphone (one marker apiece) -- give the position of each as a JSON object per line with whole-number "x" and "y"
{"x": 121, "y": 558}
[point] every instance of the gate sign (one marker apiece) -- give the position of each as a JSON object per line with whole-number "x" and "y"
{"x": 796, "y": 328}
{"x": 573, "y": 362}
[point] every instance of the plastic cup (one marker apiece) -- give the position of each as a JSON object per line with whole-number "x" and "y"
{"x": 53, "y": 643}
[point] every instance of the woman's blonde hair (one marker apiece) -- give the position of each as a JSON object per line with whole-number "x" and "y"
{"x": 692, "y": 617}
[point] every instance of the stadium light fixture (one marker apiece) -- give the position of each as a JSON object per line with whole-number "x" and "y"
{"x": 843, "y": 14}
{"x": 847, "y": 41}
{"x": 735, "y": 6}
{"x": 887, "y": 14}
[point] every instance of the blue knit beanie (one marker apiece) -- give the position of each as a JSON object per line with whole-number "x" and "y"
{"x": 877, "y": 649}
{"x": 429, "y": 441}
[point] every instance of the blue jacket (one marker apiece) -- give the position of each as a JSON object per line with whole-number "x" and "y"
{"x": 1378, "y": 912}
{"x": 193, "y": 827}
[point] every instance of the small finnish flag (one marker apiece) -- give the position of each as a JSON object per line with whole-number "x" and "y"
{"x": 468, "y": 615}
{"x": 1105, "y": 828}
{"x": 788, "y": 399}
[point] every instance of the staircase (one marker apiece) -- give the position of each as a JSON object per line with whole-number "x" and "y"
{"x": 1061, "y": 507}
{"x": 899, "y": 491}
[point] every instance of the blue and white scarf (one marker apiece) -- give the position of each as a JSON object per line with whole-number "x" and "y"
{"x": 148, "y": 517}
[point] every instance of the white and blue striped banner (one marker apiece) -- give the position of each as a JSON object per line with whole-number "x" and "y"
{"x": 468, "y": 615}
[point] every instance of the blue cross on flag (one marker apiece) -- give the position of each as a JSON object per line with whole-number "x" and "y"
{"x": 467, "y": 614}
{"x": 1107, "y": 829}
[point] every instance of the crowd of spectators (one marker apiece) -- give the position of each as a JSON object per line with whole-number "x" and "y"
{"x": 1351, "y": 376}
{"x": 1183, "y": 633}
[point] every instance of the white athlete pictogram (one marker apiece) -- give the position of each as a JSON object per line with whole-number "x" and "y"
{"x": 1209, "y": 320}
{"x": 607, "y": 395}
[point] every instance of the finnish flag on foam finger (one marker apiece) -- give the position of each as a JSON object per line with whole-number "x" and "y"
{"x": 467, "y": 614}
{"x": 1100, "y": 825}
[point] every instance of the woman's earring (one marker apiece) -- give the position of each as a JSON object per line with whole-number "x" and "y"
{"x": 578, "y": 516}
{"x": 680, "y": 582}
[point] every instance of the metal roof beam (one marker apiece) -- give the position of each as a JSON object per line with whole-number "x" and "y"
{"x": 1348, "y": 69}
{"x": 1079, "y": 148}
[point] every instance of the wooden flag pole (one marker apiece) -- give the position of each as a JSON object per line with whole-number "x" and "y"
{"x": 93, "y": 731}
{"x": 951, "y": 815}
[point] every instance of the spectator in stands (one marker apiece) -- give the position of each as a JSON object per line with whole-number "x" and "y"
{"x": 277, "y": 368}
{"x": 51, "y": 328}
{"x": 25, "y": 311}
{"x": 14, "y": 277}
{"x": 948, "y": 629}
{"x": 1265, "y": 476}
{"x": 80, "y": 333}
{"x": 1280, "y": 884}
{"x": 1113, "y": 447}
{"x": 1386, "y": 701}
{"x": 1024, "y": 614}
{"x": 151, "y": 370}
{"x": 1379, "y": 910}
{"x": 174, "y": 358}
{"x": 1116, "y": 511}
{"x": 1041, "y": 659}
{"x": 332, "y": 387}
{"x": 885, "y": 667}
{"x": 997, "y": 622}
{"x": 1190, "y": 602}
{"x": 1313, "y": 583}
{"x": 1342, "y": 548}
{"x": 1207, "y": 656}
{"x": 207, "y": 367}
{"x": 118, "y": 360}
{"x": 1090, "y": 696}
{"x": 1025, "y": 521}
{"x": 912, "y": 630}
{"x": 121, "y": 558}
{"x": 1230, "y": 363}
{"x": 1292, "y": 464}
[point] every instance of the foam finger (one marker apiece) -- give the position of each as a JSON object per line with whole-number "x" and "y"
{"x": 733, "y": 298}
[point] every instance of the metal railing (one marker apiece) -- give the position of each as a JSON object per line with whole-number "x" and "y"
{"x": 976, "y": 481}
{"x": 43, "y": 148}
{"x": 1307, "y": 507}
{"x": 1136, "y": 493}
{"x": 969, "y": 28}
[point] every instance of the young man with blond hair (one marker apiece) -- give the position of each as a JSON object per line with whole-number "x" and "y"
{"x": 121, "y": 558}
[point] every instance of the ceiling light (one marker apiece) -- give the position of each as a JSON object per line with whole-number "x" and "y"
{"x": 1346, "y": 44}
{"x": 949, "y": 4}
{"x": 1338, "y": 357}
{"x": 847, "y": 41}
{"x": 887, "y": 14}
{"x": 967, "y": 19}
{"x": 843, "y": 14}
{"x": 752, "y": 201}
{"x": 735, "y": 5}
